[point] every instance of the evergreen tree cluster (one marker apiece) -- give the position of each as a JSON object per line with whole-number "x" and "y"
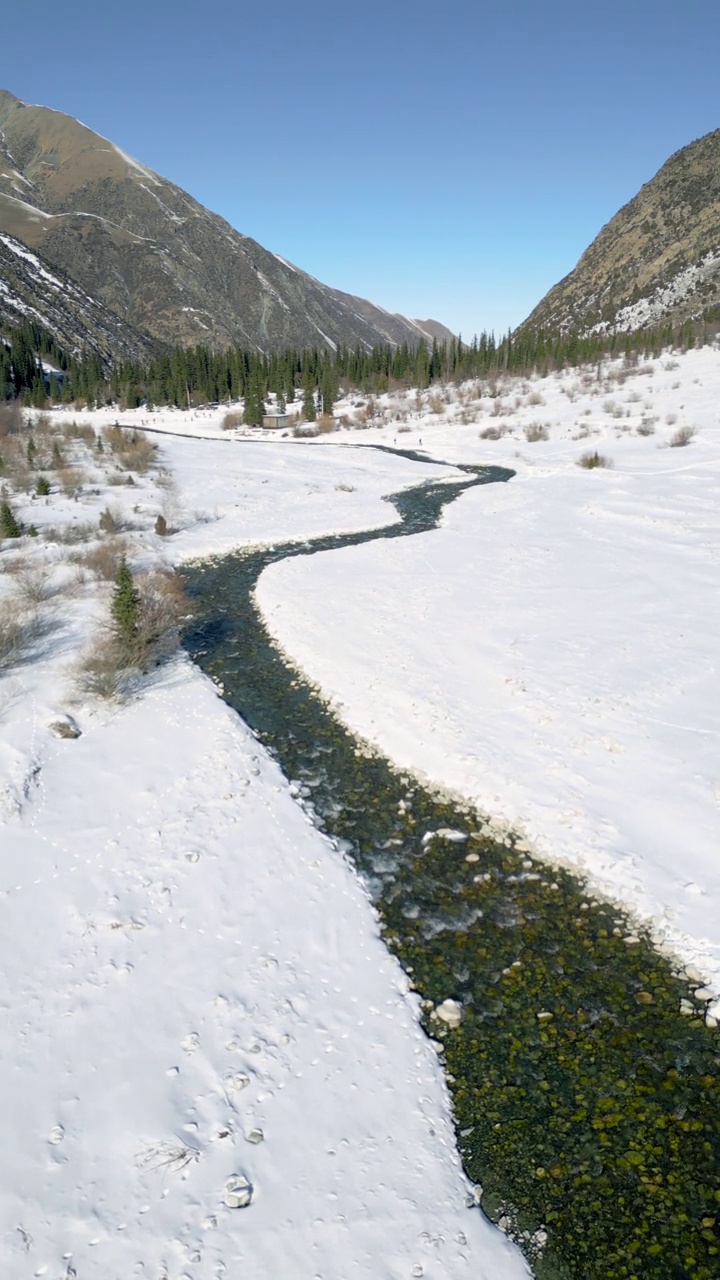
{"x": 191, "y": 376}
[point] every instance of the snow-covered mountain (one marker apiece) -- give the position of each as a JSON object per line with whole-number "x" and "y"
{"x": 657, "y": 260}
{"x": 144, "y": 248}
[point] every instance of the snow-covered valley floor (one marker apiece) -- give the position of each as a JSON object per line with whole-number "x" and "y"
{"x": 194, "y": 987}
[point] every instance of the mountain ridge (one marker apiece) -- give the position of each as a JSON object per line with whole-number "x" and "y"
{"x": 149, "y": 252}
{"x": 656, "y": 260}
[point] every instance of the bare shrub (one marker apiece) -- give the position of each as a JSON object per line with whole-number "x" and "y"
{"x": 163, "y": 605}
{"x": 325, "y": 424}
{"x": 436, "y": 404}
{"x": 12, "y": 419}
{"x": 118, "y": 658}
{"x": 682, "y": 436}
{"x": 646, "y": 427}
{"x": 593, "y": 459}
{"x": 232, "y": 420}
{"x": 19, "y": 629}
{"x": 132, "y": 449}
{"x": 671, "y": 419}
{"x": 103, "y": 559}
{"x": 112, "y": 520}
{"x": 79, "y": 431}
{"x": 70, "y": 534}
{"x": 536, "y": 431}
{"x": 493, "y": 433}
{"x": 535, "y": 398}
{"x": 71, "y": 480}
{"x": 32, "y": 586}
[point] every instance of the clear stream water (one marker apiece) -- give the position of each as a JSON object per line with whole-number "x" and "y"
{"x": 586, "y": 1105}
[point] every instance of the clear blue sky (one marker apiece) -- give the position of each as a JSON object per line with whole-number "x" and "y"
{"x": 448, "y": 160}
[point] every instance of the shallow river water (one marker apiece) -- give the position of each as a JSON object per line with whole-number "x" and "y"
{"x": 586, "y": 1103}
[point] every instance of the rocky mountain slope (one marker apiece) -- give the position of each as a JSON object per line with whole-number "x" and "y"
{"x": 657, "y": 260}
{"x": 145, "y": 249}
{"x": 32, "y": 289}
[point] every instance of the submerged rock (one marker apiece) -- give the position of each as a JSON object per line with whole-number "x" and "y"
{"x": 449, "y": 1012}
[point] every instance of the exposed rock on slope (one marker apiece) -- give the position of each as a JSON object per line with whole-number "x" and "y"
{"x": 658, "y": 259}
{"x": 32, "y": 289}
{"x": 156, "y": 257}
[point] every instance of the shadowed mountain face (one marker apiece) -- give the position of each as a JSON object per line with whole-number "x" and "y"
{"x": 657, "y": 260}
{"x": 154, "y": 256}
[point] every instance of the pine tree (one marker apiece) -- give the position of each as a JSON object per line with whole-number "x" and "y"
{"x": 309, "y": 413}
{"x": 9, "y": 524}
{"x": 125, "y": 606}
{"x": 328, "y": 388}
{"x": 254, "y": 411}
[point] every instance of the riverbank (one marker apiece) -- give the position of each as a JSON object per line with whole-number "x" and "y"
{"x": 550, "y": 653}
{"x": 194, "y": 983}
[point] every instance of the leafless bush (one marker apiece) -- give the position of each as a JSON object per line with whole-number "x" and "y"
{"x": 536, "y": 431}
{"x": 115, "y": 662}
{"x": 646, "y": 427}
{"x": 19, "y": 630}
{"x": 112, "y": 520}
{"x": 436, "y": 404}
{"x": 671, "y": 419}
{"x": 682, "y": 436}
{"x": 325, "y": 424}
{"x": 33, "y": 586}
{"x": 71, "y": 480}
{"x": 232, "y": 420}
{"x": 131, "y": 448}
{"x": 12, "y": 419}
{"x": 103, "y": 559}
{"x": 79, "y": 431}
{"x": 70, "y": 534}
{"x": 594, "y": 459}
{"x": 535, "y": 398}
{"x": 493, "y": 433}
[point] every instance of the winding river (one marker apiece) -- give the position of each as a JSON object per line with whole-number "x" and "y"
{"x": 585, "y": 1102}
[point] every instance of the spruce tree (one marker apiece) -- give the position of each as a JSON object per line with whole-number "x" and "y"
{"x": 9, "y": 525}
{"x": 125, "y": 606}
{"x": 309, "y": 413}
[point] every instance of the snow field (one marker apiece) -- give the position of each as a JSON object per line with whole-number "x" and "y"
{"x": 551, "y": 652}
{"x": 194, "y": 987}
